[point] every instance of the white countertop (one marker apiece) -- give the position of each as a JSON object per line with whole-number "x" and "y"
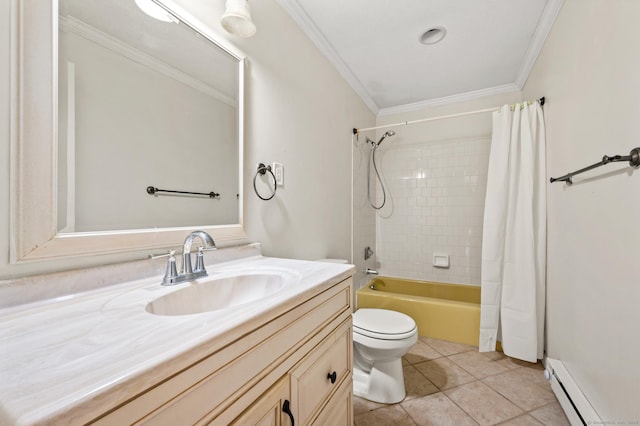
{"x": 94, "y": 347}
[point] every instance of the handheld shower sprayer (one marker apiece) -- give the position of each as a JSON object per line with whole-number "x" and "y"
{"x": 388, "y": 133}
{"x": 384, "y": 136}
{"x": 375, "y": 146}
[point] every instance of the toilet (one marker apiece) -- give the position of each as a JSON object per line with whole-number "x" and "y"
{"x": 380, "y": 338}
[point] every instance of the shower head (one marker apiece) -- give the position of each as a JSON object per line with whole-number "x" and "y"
{"x": 388, "y": 133}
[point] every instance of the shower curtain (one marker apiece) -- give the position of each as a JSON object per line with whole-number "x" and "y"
{"x": 514, "y": 235}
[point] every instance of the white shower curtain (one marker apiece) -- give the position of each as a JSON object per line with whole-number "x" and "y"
{"x": 514, "y": 235}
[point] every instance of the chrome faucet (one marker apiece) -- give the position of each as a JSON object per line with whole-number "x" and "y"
{"x": 188, "y": 272}
{"x": 186, "y": 252}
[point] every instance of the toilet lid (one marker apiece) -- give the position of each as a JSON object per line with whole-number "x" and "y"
{"x": 383, "y": 324}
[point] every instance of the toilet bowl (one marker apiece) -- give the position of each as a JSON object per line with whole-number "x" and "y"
{"x": 380, "y": 338}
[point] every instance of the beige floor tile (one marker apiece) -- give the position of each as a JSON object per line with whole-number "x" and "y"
{"x": 478, "y": 365}
{"x": 494, "y": 356}
{"x": 551, "y": 414}
{"x": 524, "y": 420}
{"x": 416, "y": 384}
{"x": 479, "y": 388}
{"x": 486, "y": 406}
{"x": 437, "y": 410}
{"x": 534, "y": 373}
{"x": 498, "y": 355}
{"x": 443, "y": 373}
{"x": 391, "y": 415}
{"x": 447, "y": 348}
{"x": 361, "y": 405}
{"x": 508, "y": 362}
{"x": 520, "y": 363}
{"x": 520, "y": 389}
{"x": 421, "y": 352}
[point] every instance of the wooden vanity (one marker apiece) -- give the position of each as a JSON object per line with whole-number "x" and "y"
{"x": 303, "y": 356}
{"x": 100, "y": 358}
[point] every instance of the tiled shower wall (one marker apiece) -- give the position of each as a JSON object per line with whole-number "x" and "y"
{"x": 435, "y": 205}
{"x": 364, "y": 217}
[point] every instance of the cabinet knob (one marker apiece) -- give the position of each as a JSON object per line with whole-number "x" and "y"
{"x": 332, "y": 376}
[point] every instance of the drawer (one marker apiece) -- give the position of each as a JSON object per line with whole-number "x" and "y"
{"x": 311, "y": 379}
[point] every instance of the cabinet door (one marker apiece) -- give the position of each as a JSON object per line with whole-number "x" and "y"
{"x": 339, "y": 409}
{"x": 321, "y": 372}
{"x": 268, "y": 409}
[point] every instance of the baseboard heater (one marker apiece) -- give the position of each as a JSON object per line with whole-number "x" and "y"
{"x": 575, "y": 405}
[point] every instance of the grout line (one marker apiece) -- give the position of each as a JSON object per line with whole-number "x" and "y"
{"x": 407, "y": 413}
{"x": 463, "y": 410}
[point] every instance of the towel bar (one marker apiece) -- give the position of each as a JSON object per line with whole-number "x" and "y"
{"x": 633, "y": 158}
{"x": 151, "y": 190}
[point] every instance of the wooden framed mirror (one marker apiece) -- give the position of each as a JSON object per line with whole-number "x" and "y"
{"x": 70, "y": 196}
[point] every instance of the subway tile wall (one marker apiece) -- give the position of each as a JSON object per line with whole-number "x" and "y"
{"x": 435, "y": 205}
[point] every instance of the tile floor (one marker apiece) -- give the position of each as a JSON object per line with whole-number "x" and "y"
{"x": 454, "y": 384}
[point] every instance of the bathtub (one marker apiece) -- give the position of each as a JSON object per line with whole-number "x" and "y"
{"x": 442, "y": 311}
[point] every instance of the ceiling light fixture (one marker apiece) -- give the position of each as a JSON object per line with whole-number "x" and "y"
{"x": 154, "y": 10}
{"x": 433, "y": 35}
{"x": 236, "y": 19}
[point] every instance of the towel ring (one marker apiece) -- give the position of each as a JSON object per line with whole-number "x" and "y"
{"x": 262, "y": 169}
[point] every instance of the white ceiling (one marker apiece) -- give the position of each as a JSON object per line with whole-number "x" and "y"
{"x": 490, "y": 46}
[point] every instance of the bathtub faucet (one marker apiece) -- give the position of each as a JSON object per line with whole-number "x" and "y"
{"x": 371, "y": 271}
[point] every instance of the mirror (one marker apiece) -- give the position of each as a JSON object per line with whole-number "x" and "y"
{"x": 131, "y": 102}
{"x": 143, "y": 102}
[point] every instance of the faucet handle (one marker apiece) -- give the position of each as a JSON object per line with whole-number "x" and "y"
{"x": 171, "y": 274}
{"x": 200, "y": 248}
{"x": 169, "y": 253}
{"x": 199, "y": 261}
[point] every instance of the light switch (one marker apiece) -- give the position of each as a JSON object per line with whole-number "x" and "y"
{"x": 278, "y": 172}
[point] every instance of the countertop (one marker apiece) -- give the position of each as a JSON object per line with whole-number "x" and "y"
{"x": 97, "y": 347}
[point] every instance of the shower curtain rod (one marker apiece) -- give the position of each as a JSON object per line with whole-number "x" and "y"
{"x": 461, "y": 114}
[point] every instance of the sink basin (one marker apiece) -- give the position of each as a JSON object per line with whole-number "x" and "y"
{"x": 216, "y": 294}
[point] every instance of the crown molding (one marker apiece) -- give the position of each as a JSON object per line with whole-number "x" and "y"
{"x": 462, "y": 97}
{"x": 547, "y": 18}
{"x": 301, "y": 18}
{"x": 76, "y": 26}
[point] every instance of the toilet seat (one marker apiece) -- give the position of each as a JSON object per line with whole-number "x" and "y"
{"x": 383, "y": 324}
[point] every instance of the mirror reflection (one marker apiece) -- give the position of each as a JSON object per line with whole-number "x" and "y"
{"x": 143, "y": 102}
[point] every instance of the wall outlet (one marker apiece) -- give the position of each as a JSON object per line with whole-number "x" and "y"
{"x": 278, "y": 171}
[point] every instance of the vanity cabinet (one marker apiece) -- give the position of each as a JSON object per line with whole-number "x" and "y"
{"x": 302, "y": 355}
{"x": 319, "y": 386}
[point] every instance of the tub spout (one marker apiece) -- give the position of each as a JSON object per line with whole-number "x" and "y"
{"x": 371, "y": 271}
